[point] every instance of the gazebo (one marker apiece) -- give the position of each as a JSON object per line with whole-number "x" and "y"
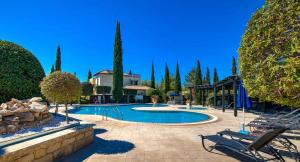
{"x": 230, "y": 82}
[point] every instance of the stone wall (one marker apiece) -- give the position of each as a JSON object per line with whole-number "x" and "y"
{"x": 17, "y": 114}
{"x": 51, "y": 147}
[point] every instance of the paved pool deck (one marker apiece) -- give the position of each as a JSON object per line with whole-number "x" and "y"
{"x": 137, "y": 142}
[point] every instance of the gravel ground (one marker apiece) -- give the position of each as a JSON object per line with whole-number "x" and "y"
{"x": 56, "y": 122}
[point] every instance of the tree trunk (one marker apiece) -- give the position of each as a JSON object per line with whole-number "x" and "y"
{"x": 56, "y": 108}
{"x": 66, "y": 111}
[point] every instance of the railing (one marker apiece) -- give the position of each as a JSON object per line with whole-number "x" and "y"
{"x": 118, "y": 112}
{"x": 115, "y": 109}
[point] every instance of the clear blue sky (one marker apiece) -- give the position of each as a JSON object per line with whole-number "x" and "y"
{"x": 158, "y": 30}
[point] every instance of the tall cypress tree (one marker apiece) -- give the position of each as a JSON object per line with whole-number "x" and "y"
{"x": 89, "y": 75}
{"x": 198, "y": 81}
{"x": 58, "y": 59}
{"x": 198, "y": 74}
{"x": 177, "y": 79}
{"x": 167, "y": 79}
{"x": 233, "y": 69}
{"x": 207, "y": 76}
{"x": 152, "y": 76}
{"x": 52, "y": 69}
{"x": 130, "y": 72}
{"x": 118, "y": 66}
{"x": 216, "y": 78}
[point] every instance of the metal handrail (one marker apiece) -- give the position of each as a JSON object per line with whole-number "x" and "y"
{"x": 119, "y": 113}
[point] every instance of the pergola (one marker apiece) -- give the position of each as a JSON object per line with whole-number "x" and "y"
{"x": 230, "y": 82}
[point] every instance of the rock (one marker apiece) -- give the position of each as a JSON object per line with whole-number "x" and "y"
{"x": 21, "y": 110}
{"x": 4, "y": 106}
{"x": 11, "y": 128}
{"x": 0, "y": 118}
{"x": 38, "y": 107}
{"x": 36, "y": 99}
{"x": 2, "y": 129}
{"x": 6, "y": 112}
{"x": 25, "y": 117}
{"x": 14, "y": 120}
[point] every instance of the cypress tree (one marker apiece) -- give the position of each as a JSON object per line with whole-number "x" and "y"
{"x": 118, "y": 66}
{"x": 207, "y": 76}
{"x": 130, "y": 72}
{"x": 58, "y": 59}
{"x": 216, "y": 78}
{"x": 198, "y": 81}
{"x": 177, "y": 79}
{"x": 233, "y": 69}
{"x": 167, "y": 79}
{"x": 89, "y": 75}
{"x": 52, "y": 69}
{"x": 75, "y": 74}
{"x": 152, "y": 76}
{"x": 198, "y": 74}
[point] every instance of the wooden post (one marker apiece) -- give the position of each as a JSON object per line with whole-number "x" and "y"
{"x": 215, "y": 96}
{"x": 202, "y": 100}
{"x": 234, "y": 97}
{"x": 223, "y": 98}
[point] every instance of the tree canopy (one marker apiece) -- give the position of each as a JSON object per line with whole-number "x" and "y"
{"x": 118, "y": 66}
{"x": 269, "y": 60}
{"x": 90, "y": 75}
{"x": 58, "y": 59}
{"x": 233, "y": 68}
{"x": 20, "y": 72}
{"x": 61, "y": 87}
{"x": 152, "y": 76}
{"x": 177, "y": 79}
{"x": 167, "y": 80}
{"x": 216, "y": 77}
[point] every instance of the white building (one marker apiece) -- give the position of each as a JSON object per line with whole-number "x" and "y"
{"x": 105, "y": 78}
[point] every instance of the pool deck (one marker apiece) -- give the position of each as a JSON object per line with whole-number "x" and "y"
{"x": 137, "y": 142}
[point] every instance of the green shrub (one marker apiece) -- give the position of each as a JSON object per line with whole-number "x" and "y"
{"x": 103, "y": 89}
{"x": 20, "y": 72}
{"x": 269, "y": 53}
{"x": 87, "y": 89}
{"x": 62, "y": 88}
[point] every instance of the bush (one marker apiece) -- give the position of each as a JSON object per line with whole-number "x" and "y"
{"x": 87, "y": 89}
{"x": 20, "y": 72}
{"x": 62, "y": 88}
{"x": 103, "y": 89}
{"x": 269, "y": 53}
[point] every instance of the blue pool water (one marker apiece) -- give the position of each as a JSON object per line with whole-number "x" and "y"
{"x": 129, "y": 114}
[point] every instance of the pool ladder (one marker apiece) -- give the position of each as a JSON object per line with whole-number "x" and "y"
{"x": 115, "y": 109}
{"x": 118, "y": 112}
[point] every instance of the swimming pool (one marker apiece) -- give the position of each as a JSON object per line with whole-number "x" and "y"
{"x": 146, "y": 116}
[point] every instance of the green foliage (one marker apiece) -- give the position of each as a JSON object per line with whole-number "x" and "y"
{"x": 233, "y": 68}
{"x": 198, "y": 81}
{"x": 152, "y": 91}
{"x": 61, "y": 87}
{"x": 207, "y": 76}
{"x": 87, "y": 89}
{"x": 89, "y": 75}
{"x": 52, "y": 69}
{"x": 190, "y": 78}
{"x": 167, "y": 79}
{"x": 216, "y": 77}
{"x": 103, "y": 89}
{"x": 118, "y": 66}
{"x": 177, "y": 79}
{"x": 58, "y": 59}
{"x": 152, "y": 76}
{"x": 20, "y": 72}
{"x": 269, "y": 59}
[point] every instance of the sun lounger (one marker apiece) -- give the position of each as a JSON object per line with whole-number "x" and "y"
{"x": 285, "y": 142}
{"x": 252, "y": 150}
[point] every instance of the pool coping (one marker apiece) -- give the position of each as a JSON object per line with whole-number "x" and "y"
{"x": 211, "y": 119}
